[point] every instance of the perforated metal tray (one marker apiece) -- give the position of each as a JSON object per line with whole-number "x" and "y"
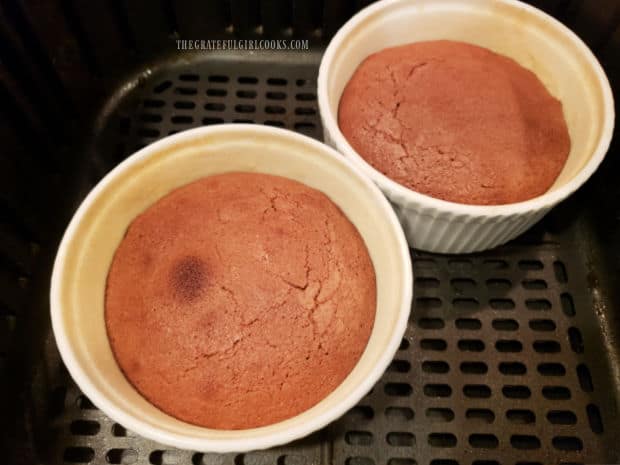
{"x": 504, "y": 360}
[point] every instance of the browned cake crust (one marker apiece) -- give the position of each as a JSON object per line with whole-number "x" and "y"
{"x": 456, "y": 122}
{"x": 240, "y": 300}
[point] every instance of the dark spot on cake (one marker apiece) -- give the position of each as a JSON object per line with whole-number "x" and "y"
{"x": 135, "y": 366}
{"x": 147, "y": 260}
{"x": 188, "y": 277}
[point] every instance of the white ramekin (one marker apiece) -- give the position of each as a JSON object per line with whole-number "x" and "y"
{"x": 87, "y": 248}
{"x": 535, "y": 40}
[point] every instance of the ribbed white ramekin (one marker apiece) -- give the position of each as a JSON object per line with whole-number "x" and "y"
{"x": 535, "y": 40}
{"x": 98, "y": 226}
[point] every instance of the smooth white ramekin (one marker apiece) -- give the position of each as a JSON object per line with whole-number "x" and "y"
{"x": 86, "y": 251}
{"x": 536, "y": 41}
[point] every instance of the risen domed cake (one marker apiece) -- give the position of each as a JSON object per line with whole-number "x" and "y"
{"x": 456, "y": 122}
{"x": 240, "y": 300}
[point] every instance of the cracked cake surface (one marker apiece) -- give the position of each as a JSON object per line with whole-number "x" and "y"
{"x": 239, "y": 300}
{"x": 456, "y": 122}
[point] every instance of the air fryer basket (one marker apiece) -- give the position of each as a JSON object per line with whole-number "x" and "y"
{"x": 511, "y": 356}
